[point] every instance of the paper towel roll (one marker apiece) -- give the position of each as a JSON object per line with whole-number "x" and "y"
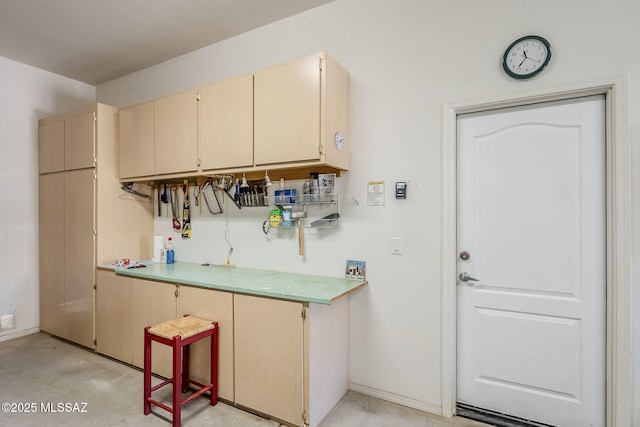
{"x": 158, "y": 245}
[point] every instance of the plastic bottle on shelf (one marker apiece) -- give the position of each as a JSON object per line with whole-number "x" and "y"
{"x": 170, "y": 253}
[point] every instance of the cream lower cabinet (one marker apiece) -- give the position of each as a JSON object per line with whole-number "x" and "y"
{"x": 269, "y": 349}
{"x": 114, "y": 316}
{"x": 287, "y": 360}
{"x": 215, "y": 306}
{"x": 152, "y": 303}
{"x": 292, "y": 368}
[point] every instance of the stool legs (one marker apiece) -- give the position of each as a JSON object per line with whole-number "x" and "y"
{"x": 147, "y": 371}
{"x": 214, "y": 365}
{"x": 185, "y": 368}
{"x": 177, "y": 381}
{"x": 180, "y": 379}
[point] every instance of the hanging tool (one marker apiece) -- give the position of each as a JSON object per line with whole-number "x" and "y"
{"x": 225, "y": 183}
{"x": 173, "y": 197}
{"x": 300, "y": 238}
{"x": 165, "y": 197}
{"x": 128, "y": 187}
{"x": 206, "y": 201}
{"x": 186, "y": 216}
{"x": 196, "y": 196}
{"x": 159, "y": 205}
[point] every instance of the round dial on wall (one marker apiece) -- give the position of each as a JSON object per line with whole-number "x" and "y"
{"x": 526, "y": 57}
{"x": 339, "y": 140}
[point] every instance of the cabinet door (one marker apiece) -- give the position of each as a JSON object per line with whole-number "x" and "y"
{"x": 287, "y": 112}
{"x": 52, "y": 253}
{"x": 226, "y": 124}
{"x": 79, "y": 255}
{"x": 268, "y": 356}
{"x": 215, "y": 306}
{"x": 51, "y": 147}
{"x": 153, "y": 303}
{"x": 113, "y": 315}
{"x": 137, "y": 141}
{"x": 79, "y": 142}
{"x": 176, "y": 133}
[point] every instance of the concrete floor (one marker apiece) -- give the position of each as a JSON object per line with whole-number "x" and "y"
{"x": 39, "y": 372}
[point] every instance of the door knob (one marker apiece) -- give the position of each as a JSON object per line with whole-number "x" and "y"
{"x": 466, "y": 277}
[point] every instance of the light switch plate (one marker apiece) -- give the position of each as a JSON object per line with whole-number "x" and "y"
{"x": 397, "y": 246}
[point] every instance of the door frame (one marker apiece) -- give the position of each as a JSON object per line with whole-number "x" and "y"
{"x": 618, "y": 229}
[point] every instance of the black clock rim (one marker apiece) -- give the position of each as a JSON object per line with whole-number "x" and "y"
{"x": 505, "y": 67}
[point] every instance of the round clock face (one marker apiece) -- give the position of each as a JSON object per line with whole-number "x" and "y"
{"x": 526, "y": 57}
{"x": 339, "y": 140}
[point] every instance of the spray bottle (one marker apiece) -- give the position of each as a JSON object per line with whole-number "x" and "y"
{"x": 170, "y": 254}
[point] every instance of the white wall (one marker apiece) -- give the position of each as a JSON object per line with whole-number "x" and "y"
{"x": 27, "y": 94}
{"x": 406, "y": 57}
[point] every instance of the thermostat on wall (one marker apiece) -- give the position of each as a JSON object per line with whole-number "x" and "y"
{"x": 401, "y": 190}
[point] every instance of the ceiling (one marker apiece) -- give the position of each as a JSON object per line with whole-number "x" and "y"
{"x": 95, "y": 41}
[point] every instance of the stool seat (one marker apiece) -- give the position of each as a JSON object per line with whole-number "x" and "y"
{"x": 179, "y": 334}
{"x": 185, "y": 327}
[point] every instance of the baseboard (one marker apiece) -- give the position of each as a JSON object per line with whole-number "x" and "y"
{"x": 396, "y": 398}
{"x": 19, "y": 334}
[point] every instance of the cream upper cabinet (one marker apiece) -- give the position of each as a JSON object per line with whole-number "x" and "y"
{"x": 79, "y": 141}
{"x": 137, "y": 141}
{"x": 176, "y": 133}
{"x": 290, "y": 116}
{"x": 226, "y": 124}
{"x": 287, "y": 112}
{"x": 51, "y": 147}
{"x": 299, "y": 107}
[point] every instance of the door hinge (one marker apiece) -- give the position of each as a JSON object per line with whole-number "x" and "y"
{"x": 95, "y": 287}
{"x": 95, "y": 342}
{"x": 95, "y": 118}
{"x": 304, "y": 313}
{"x": 176, "y": 293}
{"x": 320, "y": 65}
{"x": 198, "y": 97}
{"x": 305, "y": 422}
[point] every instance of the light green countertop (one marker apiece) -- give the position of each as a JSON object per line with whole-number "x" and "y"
{"x": 289, "y": 286}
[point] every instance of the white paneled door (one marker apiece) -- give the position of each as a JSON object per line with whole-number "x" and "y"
{"x": 531, "y": 229}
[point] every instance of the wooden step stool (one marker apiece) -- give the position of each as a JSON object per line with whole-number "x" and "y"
{"x": 179, "y": 334}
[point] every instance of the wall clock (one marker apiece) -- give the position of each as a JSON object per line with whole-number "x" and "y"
{"x": 338, "y": 139}
{"x": 526, "y": 57}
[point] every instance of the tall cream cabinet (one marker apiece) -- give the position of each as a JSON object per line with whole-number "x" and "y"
{"x": 86, "y": 218}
